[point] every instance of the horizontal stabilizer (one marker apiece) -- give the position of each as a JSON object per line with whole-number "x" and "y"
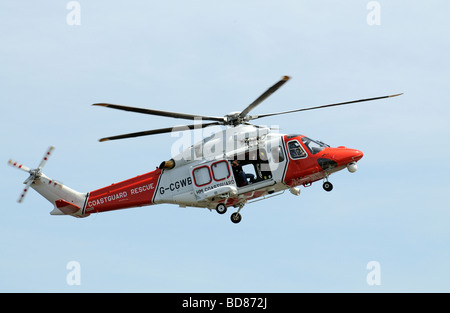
{"x": 66, "y": 207}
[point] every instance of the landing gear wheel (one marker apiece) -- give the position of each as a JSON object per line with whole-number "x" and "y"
{"x": 236, "y": 217}
{"x": 327, "y": 186}
{"x": 221, "y": 208}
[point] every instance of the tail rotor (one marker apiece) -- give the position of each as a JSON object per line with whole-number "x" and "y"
{"x": 45, "y": 158}
{"x": 24, "y": 192}
{"x": 34, "y": 173}
{"x": 19, "y": 166}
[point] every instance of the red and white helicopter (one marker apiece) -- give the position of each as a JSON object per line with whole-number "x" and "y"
{"x": 239, "y": 165}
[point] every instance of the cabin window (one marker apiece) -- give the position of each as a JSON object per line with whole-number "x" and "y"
{"x": 198, "y": 151}
{"x": 220, "y": 170}
{"x": 202, "y": 176}
{"x": 277, "y": 154}
{"x": 251, "y": 167}
{"x": 295, "y": 150}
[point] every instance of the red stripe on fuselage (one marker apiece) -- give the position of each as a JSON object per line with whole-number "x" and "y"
{"x": 133, "y": 192}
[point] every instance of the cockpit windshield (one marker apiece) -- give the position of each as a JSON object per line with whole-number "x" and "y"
{"x": 314, "y": 146}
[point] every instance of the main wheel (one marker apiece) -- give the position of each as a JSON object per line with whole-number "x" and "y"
{"x": 327, "y": 186}
{"x": 236, "y": 217}
{"x": 221, "y": 208}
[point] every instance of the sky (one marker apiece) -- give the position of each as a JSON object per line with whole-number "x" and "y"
{"x": 212, "y": 58}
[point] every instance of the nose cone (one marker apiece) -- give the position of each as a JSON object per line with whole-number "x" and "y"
{"x": 344, "y": 156}
{"x": 356, "y": 155}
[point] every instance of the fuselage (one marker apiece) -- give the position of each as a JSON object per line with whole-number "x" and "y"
{"x": 203, "y": 174}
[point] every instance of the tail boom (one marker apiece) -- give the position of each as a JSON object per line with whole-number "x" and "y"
{"x": 133, "y": 192}
{"x": 59, "y": 194}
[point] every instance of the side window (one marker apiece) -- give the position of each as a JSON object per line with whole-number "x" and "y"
{"x": 277, "y": 154}
{"x": 220, "y": 170}
{"x": 202, "y": 176}
{"x": 295, "y": 150}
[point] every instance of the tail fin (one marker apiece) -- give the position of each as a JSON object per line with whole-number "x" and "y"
{"x": 66, "y": 201}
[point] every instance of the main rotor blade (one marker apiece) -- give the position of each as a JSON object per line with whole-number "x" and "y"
{"x": 253, "y": 117}
{"x": 264, "y": 96}
{"x": 160, "y": 113}
{"x": 159, "y": 131}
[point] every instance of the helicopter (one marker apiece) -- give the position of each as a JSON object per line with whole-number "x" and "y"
{"x": 235, "y": 166}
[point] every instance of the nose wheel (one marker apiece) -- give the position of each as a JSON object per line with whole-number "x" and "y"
{"x": 327, "y": 186}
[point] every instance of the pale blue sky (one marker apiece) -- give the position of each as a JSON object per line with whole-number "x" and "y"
{"x": 214, "y": 57}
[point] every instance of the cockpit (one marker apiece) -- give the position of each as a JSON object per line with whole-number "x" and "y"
{"x": 314, "y": 146}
